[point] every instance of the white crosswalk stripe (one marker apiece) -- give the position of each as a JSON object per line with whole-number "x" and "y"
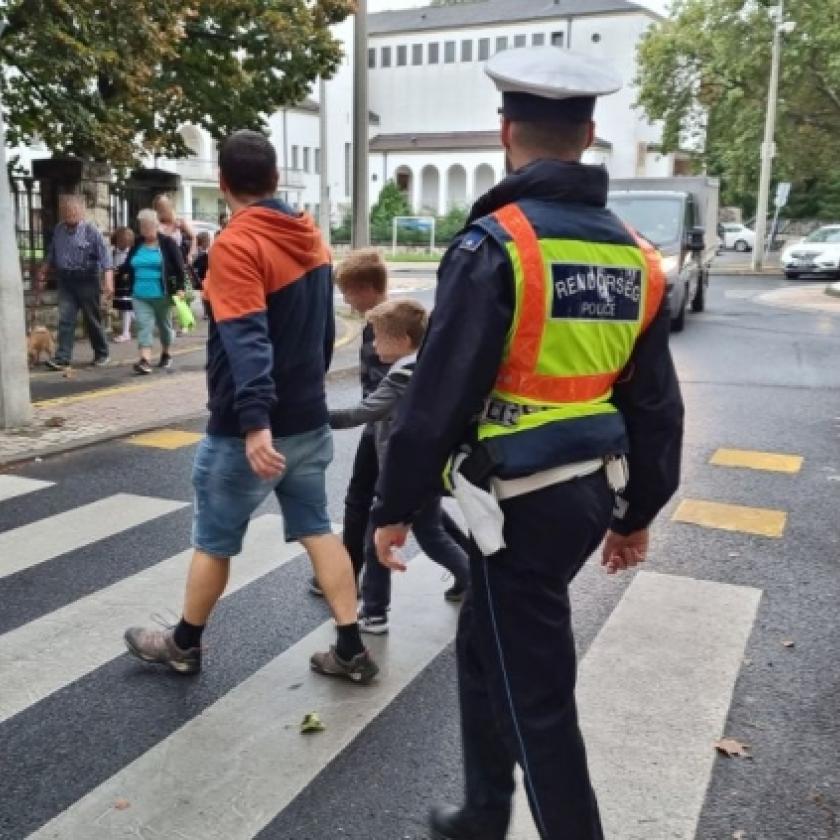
{"x": 27, "y": 546}
{"x": 45, "y": 655}
{"x": 654, "y": 690}
{"x": 12, "y": 486}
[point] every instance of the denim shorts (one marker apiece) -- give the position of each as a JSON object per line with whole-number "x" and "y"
{"x": 227, "y": 491}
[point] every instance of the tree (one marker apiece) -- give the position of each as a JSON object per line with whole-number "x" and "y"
{"x": 114, "y": 81}
{"x": 705, "y": 72}
{"x": 392, "y": 202}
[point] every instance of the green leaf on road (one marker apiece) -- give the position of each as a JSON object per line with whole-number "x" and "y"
{"x": 312, "y": 723}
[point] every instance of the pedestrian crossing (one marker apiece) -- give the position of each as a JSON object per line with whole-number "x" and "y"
{"x": 12, "y": 486}
{"x": 654, "y": 691}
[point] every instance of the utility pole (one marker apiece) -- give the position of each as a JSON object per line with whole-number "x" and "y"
{"x": 324, "y": 216}
{"x": 15, "y": 404}
{"x": 768, "y": 147}
{"x": 360, "y": 236}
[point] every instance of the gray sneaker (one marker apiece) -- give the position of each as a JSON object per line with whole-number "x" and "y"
{"x": 159, "y": 646}
{"x": 102, "y": 361}
{"x": 361, "y": 669}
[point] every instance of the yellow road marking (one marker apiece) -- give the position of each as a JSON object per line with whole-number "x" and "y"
{"x": 770, "y": 461}
{"x": 93, "y": 395}
{"x": 166, "y": 439}
{"x": 749, "y": 520}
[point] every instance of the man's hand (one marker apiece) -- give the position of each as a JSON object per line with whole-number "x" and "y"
{"x": 264, "y": 459}
{"x": 386, "y": 540}
{"x": 622, "y": 553}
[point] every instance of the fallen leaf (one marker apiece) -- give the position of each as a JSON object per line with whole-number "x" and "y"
{"x": 55, "y": 422}
{"x": 732, "y": 748}
{"x": 69, "y": 373}
{"x": 788, "y": 643}
{"x": 312, "y": 723}
{"x": 122, "y": 804}
{"x": 739, "y": 835}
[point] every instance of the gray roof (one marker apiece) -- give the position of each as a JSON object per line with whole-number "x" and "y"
{"x": 482, "y": 12}
{"x": 445, "y": 141}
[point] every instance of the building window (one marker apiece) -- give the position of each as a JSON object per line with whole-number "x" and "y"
{"x": 466, "y": 50}
{"x": 520, "y": 40}
{"x": 295, "y": 152}
{"x": 402, "y": 56}
{"x": 417, "y": 54}
{"x": 347, "y": 161}
{"x": 306, "y": 158}
{"x": 449, "y": 52}
{"x": 434, "y": 53}
{"x": 317, "y": 161}
{"x": 371, "y": 58}
{"x": 483, "y": 49}
{"x": 558, "y": 39}
{"x": 386, "y": 56}
{"x": 501, "y": 43}
{"x": 538, "y": 39}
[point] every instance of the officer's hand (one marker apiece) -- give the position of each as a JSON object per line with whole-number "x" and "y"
{"x": 621, "y": 553}
{"x": 264, "y": 459}
{"x": 388, "y": 539}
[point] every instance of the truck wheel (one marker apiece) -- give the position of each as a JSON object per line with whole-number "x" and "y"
{"x": 741, "y": 246}
{"x": 699, "y": 302}
{"x": 678, "y": 323}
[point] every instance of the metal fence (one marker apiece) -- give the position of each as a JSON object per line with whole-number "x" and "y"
{"x": 29, "y": 228}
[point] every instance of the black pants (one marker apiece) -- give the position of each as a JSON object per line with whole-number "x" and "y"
{"x": 359, "y": 498}
{"x": 517, "y": 664}
{"x": 79, "y": 290}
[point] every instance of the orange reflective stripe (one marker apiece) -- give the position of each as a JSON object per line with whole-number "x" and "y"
{"x": 656, "y": 282}
{"x": 527, "y": 339}
{"x": 555, "y": 389}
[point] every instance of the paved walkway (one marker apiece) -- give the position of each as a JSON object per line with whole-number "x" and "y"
{"x": 813, "y": 298}
{"x": 91, "y": 416}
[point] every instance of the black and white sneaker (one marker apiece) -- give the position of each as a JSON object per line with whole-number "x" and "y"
{"x": 102, "y": 361}
{"x": 142, "y": 368}
{"x": 373, "y": 625}
{"x": 165, "y": 361}
{"x": 56, "y": 364}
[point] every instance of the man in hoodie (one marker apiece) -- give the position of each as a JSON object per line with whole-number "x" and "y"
{"x": 272, "y": 330}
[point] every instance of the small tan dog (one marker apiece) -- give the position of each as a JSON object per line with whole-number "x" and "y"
{"x": 40, "y": 341}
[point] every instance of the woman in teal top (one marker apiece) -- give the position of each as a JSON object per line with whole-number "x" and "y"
{"x": 156, "y": 272}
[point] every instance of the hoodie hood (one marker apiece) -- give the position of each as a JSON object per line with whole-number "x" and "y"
{"x": 273, "y": 223}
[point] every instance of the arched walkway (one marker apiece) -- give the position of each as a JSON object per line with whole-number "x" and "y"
{"x": 404, "y": 179}
{"x": 430, "y": 189}
{"x": 456, "y": 191}
{"x": 485, "y": 179}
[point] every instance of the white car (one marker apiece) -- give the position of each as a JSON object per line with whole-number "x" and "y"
{"x": 738, "y": 237}
{"x": 817, "y": 254}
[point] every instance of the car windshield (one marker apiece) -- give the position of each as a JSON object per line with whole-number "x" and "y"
{"x": 825, "y": 235}
{"x": 657, "y": 219}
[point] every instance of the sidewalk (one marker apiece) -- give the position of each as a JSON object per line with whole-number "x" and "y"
{"x": 811, "y": 298}
{"x": 132, "y": 405}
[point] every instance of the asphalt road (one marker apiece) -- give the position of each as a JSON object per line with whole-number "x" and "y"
{"x": 754, "y": 378}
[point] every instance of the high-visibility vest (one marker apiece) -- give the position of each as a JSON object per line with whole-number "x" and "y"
{"x": 580, "y": 307}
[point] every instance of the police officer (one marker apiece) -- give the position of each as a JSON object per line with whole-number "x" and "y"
{"x": 546, "y": 363}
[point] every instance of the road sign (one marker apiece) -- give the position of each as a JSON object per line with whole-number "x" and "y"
{"x": 782, "y": 193}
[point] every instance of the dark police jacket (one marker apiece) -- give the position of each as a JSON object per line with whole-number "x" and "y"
{"x": 463, "y": 351}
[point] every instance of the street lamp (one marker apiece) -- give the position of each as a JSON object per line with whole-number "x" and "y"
{"x": 15, "y": 405}
{"x": 768, "y": 147}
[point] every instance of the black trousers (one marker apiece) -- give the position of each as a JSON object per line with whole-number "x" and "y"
{"x": 517, "y": 664}
{"x": 79, "y": 290}
{"x": 359, "y": 499}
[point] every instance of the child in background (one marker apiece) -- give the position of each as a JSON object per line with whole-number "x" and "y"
{"x": 122, "y": 241}
{"x": 398, "y": 327}
{"x": 200, "y": 265}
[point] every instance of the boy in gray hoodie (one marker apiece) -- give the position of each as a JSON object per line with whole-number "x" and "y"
{"x": 399, "y": 327}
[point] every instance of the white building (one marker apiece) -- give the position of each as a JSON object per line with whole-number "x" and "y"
{"x": 439, "y": 111}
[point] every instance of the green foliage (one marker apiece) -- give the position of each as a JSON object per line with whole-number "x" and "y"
{"x": 705, "y": 74}
{"x": 114, "y": 81}
{"x": 392, "y": 202}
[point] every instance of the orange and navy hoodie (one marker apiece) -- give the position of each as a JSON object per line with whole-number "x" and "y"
{"x": 272, "y": 326}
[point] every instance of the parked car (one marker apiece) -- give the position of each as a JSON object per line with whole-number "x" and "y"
{"x": 818, "y": 254}
{"x": 737, "y": 237}
{"x": 678, "y": 215}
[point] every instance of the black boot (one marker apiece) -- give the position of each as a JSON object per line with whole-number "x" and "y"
{"x": 448, "y": 823}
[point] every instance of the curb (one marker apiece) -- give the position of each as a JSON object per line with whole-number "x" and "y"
{"x": 139, "y": 428}
{"x": 745, "y": 272}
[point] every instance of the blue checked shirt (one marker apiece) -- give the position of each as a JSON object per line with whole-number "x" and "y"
{"x": 80, "y": 249}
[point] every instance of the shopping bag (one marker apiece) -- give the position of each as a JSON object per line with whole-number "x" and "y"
{"x": 186, "y": 320}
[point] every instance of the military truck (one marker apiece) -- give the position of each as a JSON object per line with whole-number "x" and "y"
{"x": 680, "y": 217}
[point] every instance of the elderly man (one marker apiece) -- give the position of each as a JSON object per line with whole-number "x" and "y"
{"x": 80, "y": 257}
